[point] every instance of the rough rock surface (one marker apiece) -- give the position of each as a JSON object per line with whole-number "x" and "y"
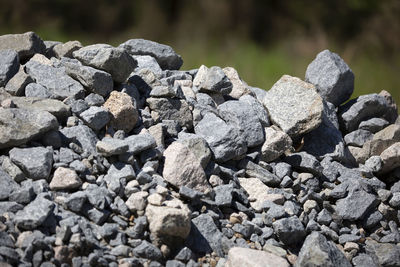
{"x": 250, "y": 257}
{"x": 124, "y": 115}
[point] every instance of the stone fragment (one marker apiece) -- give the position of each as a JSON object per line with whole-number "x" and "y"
{"x": 363, "y": 108}
{"x": 140, "y": 142}
{"x": 239, "y": 87}
{"x": 225, "y": 141}
{"x": 294, "y": 105}
{"x": 137, "y": 201}
{"x": 13, "y": 170}
{"x": 83, "y": 136}
{"x": 205, "y": 237}
{"x": 115, "y": 61}
{"x": 363, "y": 260}
{"x": 37, "y": 91}
{"x": 257, "y": 191}
{"x": 182, "y": 167}
{"x": 35, "y": 162}
{"x": 276, "y": 144}
{"x": 53, "y": 106}
{"x": 7, "y": 184}
{"x": 34, "y": 214}
{"x": 166, "y": 57}
{"x": 305, "y": 162}
{"x": 124, "y": 114}
{"x": 25, "y": 44}
{"x": 245, "y": 257}
{"x": 318, "y": 251}
{"x": 382, "y": 140}
{"x": 358, "y": 137}
{"x": 331, "y": 76}
{"x": 110, "y": 146}
{"x": 16, "y": 85}
{"x": 66, "y": 49}
{"x": 94, "y": 100}
{"x": 95, "y": 117}
{"x": 242, "y": 116}
{"x": 171, "y": 109}
{"x": 148, "y": 251}
{"x": 373, "y": 125}
{"x": 258, "y": 108}
{"x": 289, "y": 230}
{"x": 212, "y": 80}
{"x": 65, "y": 179}
{"x": 254, "y": 170}
{"x": 9, "y": 65}
{"x": 167, "y": 221}
{"x": 147, "y": 62}
{"x": 55, "y": 80}
{"x": 386, "y": 254}
{"x": 96, "y": 81}
{"x": 391, "y": 157}
{"x": 356, "y": 205}
{"x": 197, "y": 145}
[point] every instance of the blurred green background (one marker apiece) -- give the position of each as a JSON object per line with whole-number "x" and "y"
{"x": 262, "y": 39}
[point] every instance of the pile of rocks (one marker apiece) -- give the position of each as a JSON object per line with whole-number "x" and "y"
{"x": 113, "y": 156}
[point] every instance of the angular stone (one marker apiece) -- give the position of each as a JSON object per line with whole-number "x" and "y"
{"x": 289, "y": 230}
{"x": 18, "y": 126}
{"x": 25, "y": 44}
{"x": 137, "y": 201}
{"x": 115, "y": 61}
{"x": 318, "y": 251}
{"x": 171, "y": 109}
{"x": 34, "y": 214}
{"x": 242, "y": 116}
{"x": 37, "y": 91}
{"x": 66, "y": 49}
{"x": 225, "y": 141}
{"x": 83, "y": 136}
{"x": 261, "y": 112}
{"x": 9, "y": 65}
{"x": 110, "y": 146}
{"x": 65, "y": 179}
{"x": 182, "y": 167}
{"x": 257, "y": 190}
{"x": 53, "y": 106}
{"x": 212, "y": 80}
{"x": 197, "y": 145}
{"x": 363, "y": 260}
{"x": 147, "y": 62}
{"x": 276, "y": 144}
{"x": 304, "y": 162}
{"x": 168, "y": 221}
{"x": 356, "y": 205}
{"x": 7, "y": 184}
{"x": 385, "y": 254}
{"x": 224, "y": 195}
{"x": 35, "y": 162}
{"x": 55, "y": 80}
{"x": 148, "y": 251}
{"x": 363, "y": 108}
{"x": 373, "y": 125}
{"x": 358, "y": 137}
{"x": 382, "y": 140}
{"x": 166, "y": 57}
{"x": 96, "y": 81}
{"x": 140, "y": 142}
{"x": 124, "y": 114}
{"x": 76, "y": 201}
{"x": 205, "y": 237}
{"x": 95, "y": 117}
{"x": 245, "y": 257}
{"x": 94, "y": 100}
{"x": 254, "y": 170}
{"x": 239, "y": 87}
{"x": 331, "y": 76}
{"x": 391, "y": 157}
{"x": 294, "y": 105}
{"x": 13, "y": 170}
{"x": 16, "y": 85}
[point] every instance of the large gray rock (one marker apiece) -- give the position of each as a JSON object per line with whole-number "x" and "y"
{"x": 7, "y": 185}
{"x": 53, "y": 106}
{"x": 289, "y": 230}
{"x": 140, "y": 142}
{"x": 35, "y": 162}
{"x": 373, "y": 125}
{"x": 363, "y": 108}
{"x": 318, "y": 251}
{"x": 358, "y": 137}
{"x": 294, "y": 105}
{"x": 25, "y": 44}
{"x": 182, "y": 168}
{"x": 166, "y": 57}
{"x": 385, "y": 254}
{"x": 34, "y": 214}
{"x": 331, "y": 76}
{"x": 356, "y": 205}
{"x": 243, "y": 116}
{"x": 18, "y": 126}
{"x": 327, "y": 140}
{"x": 305, "y": 162}
{"x": 205, "y": 237}
{"x": 261, "y": 112}
{"x": 171, "y": 109}
{"x": 110, "y": 146}
{"x": 16, "y": 85}
{"x": 9, "y": 65}
{"x": 95, "y": 117}
{"x": 115, "y": 61}
{"x": 96, "y": 81}
{"x": 225, "y": 140}
{"x": 148, "y": 62}
{"x": 212, "y": 80}
{"x": 83, "y": 136}
{"x": 246, "y": 257}
{"x": 55, "y": 80}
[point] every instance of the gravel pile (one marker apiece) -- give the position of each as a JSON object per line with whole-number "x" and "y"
{"x": 112, "y": 156}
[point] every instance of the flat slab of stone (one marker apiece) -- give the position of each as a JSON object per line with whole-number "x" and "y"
{"x": 18, "y": 126}
{"x": 294, "y": 105}
{"x": 34, "y": 214}
{"x": 246, "y": 257}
